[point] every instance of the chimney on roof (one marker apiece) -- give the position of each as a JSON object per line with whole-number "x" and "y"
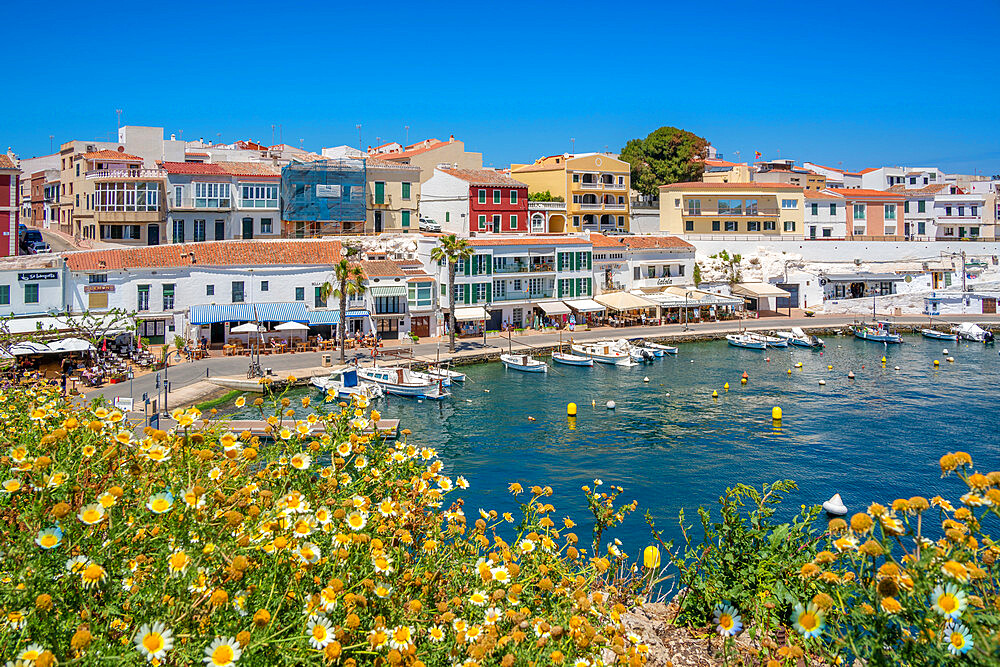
{"x": 173, "y": 137}
{"x": 454, "y": 165}
{"x": 451, "y": 138}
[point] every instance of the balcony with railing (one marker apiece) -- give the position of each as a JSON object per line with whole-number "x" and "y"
{"x": 119, "y": 174}
{"x": 733, "y": 212}
{"x": 199, "y": 203}
{"x": 526, "y": 265}
{"x": 614, "y": 207}
{"x": 522, "y": 295}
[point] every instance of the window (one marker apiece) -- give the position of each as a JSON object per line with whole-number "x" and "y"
{"x": 5, "y": 295}
{"x": 921, "y": 228}
{"x": 788, "y": 203}
{"x": 482, "y": 222}
{"x": 974, "y": 232}
{"x": 406, "y": 190}
{"x": 689, "y": 225}
{"x": 694, "y": 207}
{"x": 753, "y": 226}
{"x": 178, "y": 195}
{"x": 576, "y": 178}
{"x": 447, "y": 216}
{"x": 961, "y": 211}
{"x": 31, "y": 293}
{"x": 499, "y": 289}
{"x": 770, "y": 226}
{"x": 77, "y": 168}
{"x": 211, "y": 195}
{"x": 127, "y": 196}
{"x": 265, "y": 226}
{"x": 890, "y": 211}
{"x": 480, "y": 292}
{"x": 496, "y": 196}
{"x": 621, "y": 222}
{"x": 637, "y": 273}
{"x": 730, "y": 206}
{"x": 906, "y": 207}
{"x": 237, "y": 291}
{"x": 833, "y": 209}
{"x": 264, "y": 286}
{"x": 513, "y": 222}
{"x": 933, "y": 176}
{"x": 732, "y": 226}
{"x": 178, "y": 231}
{"x": 566, "y": 287}
{"x": 949, "y": 231}
{"x": 405, "y": 219}
{"x": 859, "y": 211}
{"x": 420, "y": 295}
{"x": 576, "y": 221}
{"x": 814, "y": 209}
{"x": 318, "y": 301}
{"x": 97, "y": 278}
{"x": 199, "y": 230}
{"x": 388, "y": 305}
{"x": 827, "y": 232}
{"x": 300, "y": 293}
{"x": 716, "y": 226}
{"x": 482, "y": 196}
{"x": 947, "y": 210}
{"x": 513, "y": 196}
{"x": 168, "y": 297}
{"x": 517, "y": 284}
{"x": 496, "y": 223}
{"x": 789, "y": 225}
{"x": 258, "y": 195}
{"x": 209, "y": 290}
{"x": 650, "y": 271}
{"x": 143, "y": 298}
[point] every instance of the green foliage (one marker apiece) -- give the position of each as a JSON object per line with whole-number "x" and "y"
{"x": 696, "y": 277}
{"x": 544, "y": 196}
{"x": 451, "y": 249}
{"x": 730, "y": 266}
{"x": 667, "y": 155}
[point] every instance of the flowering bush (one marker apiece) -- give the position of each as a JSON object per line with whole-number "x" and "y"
{"x": 331, "y": 545}
{"x": 874, "y": 587}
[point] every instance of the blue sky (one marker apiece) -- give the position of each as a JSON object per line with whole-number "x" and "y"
{"x": 863, "y": 84}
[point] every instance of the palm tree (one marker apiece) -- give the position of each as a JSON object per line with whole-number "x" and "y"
{"x": 451, "y": 250}
{"x": 350, "y": 279}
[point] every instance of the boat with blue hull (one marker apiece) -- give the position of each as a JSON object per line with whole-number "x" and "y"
{"x": 881, "y": 332}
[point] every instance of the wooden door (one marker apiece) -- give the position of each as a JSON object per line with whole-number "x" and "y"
{"x": 990, "y": 306}
{"x": 421, "y": 326}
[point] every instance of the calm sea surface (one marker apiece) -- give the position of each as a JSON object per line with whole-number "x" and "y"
{"x": 670, "y": 445}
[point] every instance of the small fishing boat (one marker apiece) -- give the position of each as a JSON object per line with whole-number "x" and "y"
{"x": 523, "y": 362}
{"x": 642, "y": 345}
{"x": 974, "y": 332}
{"x": 880, "y": 333}
{"x": 439, "y": 371}
{"x": 639, "y": 354}
{"x": 421, "y": 375}
{"x": 769, "y": 341}
{"x": 938, "y": 335}
{"x": 571, "y": 359}
{"x": 345, "y": 384}
{"x": 668, "y": 349}
{"x": 401, "y": 382}
{"x": 800, "y": 338}
{"x": 603, "y": 353}
{"x": 743, "y": 340}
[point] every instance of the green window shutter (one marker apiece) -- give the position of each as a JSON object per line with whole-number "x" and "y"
{"x": 560, "y": 292}
{"x": 406, "y": 218}
{"x": 465, "y": 294}
{"x": 489, "y": 292}
{"x": 467, "y": 262}
{"x": 379, "y": 192}
{"x": 489, "y": 265}
{"x": 560, "y": 258}
{"x": 590, "y": 287}
{"x": 406, "y": 190}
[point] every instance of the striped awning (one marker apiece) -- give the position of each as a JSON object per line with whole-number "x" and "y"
{"x": 281, "y": 312}
{"x": 215, "y": 313}
{"x": 585, "y": 305}
{"x": 388, "y": 290}
{"x": 320, "y": 317}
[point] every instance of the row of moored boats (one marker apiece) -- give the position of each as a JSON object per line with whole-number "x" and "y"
{"x": 620, "y": 352}
{"x": 759, "y": 341}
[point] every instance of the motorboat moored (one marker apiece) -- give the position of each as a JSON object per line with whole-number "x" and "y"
{"x": 668, "y": 349}
{"x": 523, "y": 362}
{"x": 571, "y": 359}
{"x": 769, "y": 341}
{"x": 800, "y": 338}
{"x": 345, "y": 384}
{"x": 401, "y": 382}
{"x": 938, "y": 335}
{"x": 604, "y": 353}
{"x": 973, "y": 332}
{"x": 742, "y": 340}
{"x": 880, "y": 333}
{"x": 439, "y": 371}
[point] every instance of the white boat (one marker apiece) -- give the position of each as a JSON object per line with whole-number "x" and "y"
{"x": 970, "y": 331}
{"x": 654, "y": 351}
{"x": 401, "y": 382}
{"x": 742, "y": 340}
{"x": 800, "y": 338}
{"x": 880, "y": 333}
{"x": 571, "y": 359}
{"x": 421, "y": 375}
{"x": 442, "y": 372}
{"x": 524, "y": 362}
{"x": 604, "y": 353}
{"x": 345, "y": 384}
{"x": 639, "y": 354}
{"x": 769, "y": 341}
{"x": 669, "y": 349}
{"x": 938, "y": 335}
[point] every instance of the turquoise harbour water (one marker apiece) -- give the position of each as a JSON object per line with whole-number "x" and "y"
{"x": 671, "y": 445}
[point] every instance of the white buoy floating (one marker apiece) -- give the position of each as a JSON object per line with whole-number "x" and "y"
{"x": 486, "y": 390}
{"x": 896, "y": 368}
{"x": 850, "y": 375}
{"x": 822, "y": 382}
{"x": 646, "y": 379}
{"x": 835, "y": 506}
{"x": 610, "y": 405}
{"x": 944, "y": 351}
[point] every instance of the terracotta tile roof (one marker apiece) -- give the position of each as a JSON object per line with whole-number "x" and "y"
{"x": 698, "y": 185}
{"x": 250, "y": 169}
{"x": 381, "y": 163}
{"x": 868, "y": 170}
{"x": 6, "y": 162}
{"x": 211, "y": 253}
{"x": 381, "y": 268}
{"x": 711, "y": 162}
{"x": 415, "y": 149}
{"x": 839, "y": 171}
{"x": 860, "y": 193}
{"x": 639, "y": 242}
{"x": 484, "y": 177}
{"x": 822, "y": 194}
{"x": 529, "y": 240}
{"x": 192, "y": 168}
{"x": 550, "y": 166}
{"x": 196, "y": 153}
{"x": 919, "y": 192}
{"x": 111, "y": 155}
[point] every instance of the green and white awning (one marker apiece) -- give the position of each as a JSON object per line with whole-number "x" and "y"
{"x": 389, "y": 290}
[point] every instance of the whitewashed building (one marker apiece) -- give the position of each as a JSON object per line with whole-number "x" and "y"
{"x": 31, "y": 285}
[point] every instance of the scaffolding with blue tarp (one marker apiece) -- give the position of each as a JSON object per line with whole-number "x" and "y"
{"x": 323, "y": 197}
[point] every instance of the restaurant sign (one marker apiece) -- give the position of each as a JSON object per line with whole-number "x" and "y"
{"x": 101, "y": 287}
{"x": 38, "y": 275}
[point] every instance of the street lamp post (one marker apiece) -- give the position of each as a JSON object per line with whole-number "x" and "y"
{"x": 686, "y": 314}
{"x": 486, "y": 309}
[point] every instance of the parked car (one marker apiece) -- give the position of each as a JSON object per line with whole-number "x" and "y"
{"x": 40, "y": 247}
{"x": 428, "y": 225}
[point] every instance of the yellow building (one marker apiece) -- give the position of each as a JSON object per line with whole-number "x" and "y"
{"x": 725, "y": 209}
{"x": 595, "y": 187}
{"x": 721, "y": 171}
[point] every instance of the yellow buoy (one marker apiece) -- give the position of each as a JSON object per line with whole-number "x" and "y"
{"x": 776, "y": 412}
{"x": 726, "y": 386}
{"x": 651, "y": 557}
{"x": 789, "y": 371}
{"x": 829, "y": 367}
{"x": 743, "y": 380}
{"x": 571, "y": 409}
{"x": 715, "y": 394}
{"x": 937, "y": 363}
{"x": 883, "y": 360}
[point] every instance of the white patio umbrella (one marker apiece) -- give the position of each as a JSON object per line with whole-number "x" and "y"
{"x": 29, "y": 347}
{"x": 72, "y": 345}
{"x": 292, "y": 326}
{"x": 249, "y": 327}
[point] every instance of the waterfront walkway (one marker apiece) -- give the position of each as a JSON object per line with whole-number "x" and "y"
{"x": 190, "y": 382}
